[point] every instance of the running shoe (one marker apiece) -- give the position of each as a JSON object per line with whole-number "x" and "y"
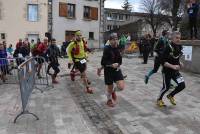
{"x": 89, "y": 90}
{"x": 110, "y": 103}
{"x": 171, "y": 99}
{"x": 146, "y": 79}
{"x": 160, "y": 103}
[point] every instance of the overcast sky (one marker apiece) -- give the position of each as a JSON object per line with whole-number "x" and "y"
{"x": 118, "y": 3}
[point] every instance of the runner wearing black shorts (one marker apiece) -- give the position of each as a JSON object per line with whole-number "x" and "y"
{"x": 111, "y": 62}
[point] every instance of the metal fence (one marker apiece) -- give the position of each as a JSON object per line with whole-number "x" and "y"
{"x": 9, "y": 71}
{"x": 24, "y": 71}
{"x": 26, "y": 77}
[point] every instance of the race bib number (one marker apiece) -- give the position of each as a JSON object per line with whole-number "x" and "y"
{"x": 83, "y": 61}
{"x": 191, "y": 11}
{"x": 180, "y": 80}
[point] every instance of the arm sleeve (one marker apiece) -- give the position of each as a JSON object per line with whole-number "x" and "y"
{"x": 106, "y": 58}
{"x": 69, "y": 51}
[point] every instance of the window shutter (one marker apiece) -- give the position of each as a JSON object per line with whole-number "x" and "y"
{"x": 94, "y": 13}
{"x": 62, "y": 9}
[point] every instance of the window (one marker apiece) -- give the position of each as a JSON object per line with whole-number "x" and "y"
{"x": 62, "y": 9}
{"x": 87, "y": 12}
{"x": 90, "y": 13}
{"x": 109, "y": 15}
{"x": 115, "y": 27}
{"x": 121, "y": 17}
{"x": 71, "y": 10}
{"x": 33, "y": 37}
{"x": 32, "y": 12}
{"x": 127, "y": 17}
{"x": 91, "y": 35}
{"x": 109, "y": 27}
{"x": 3, "y": 36}
{"x": 114, "y": 16}
{"x": 67, "y": 10}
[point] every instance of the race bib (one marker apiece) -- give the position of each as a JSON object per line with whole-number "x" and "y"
{"x": 20, "y": 55}
{"x": 82, "y": 61}
{"x": 180, "y": 80}
{"x": 191, "y": 11}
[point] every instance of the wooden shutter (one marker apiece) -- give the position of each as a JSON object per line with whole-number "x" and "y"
{"x": 94, "y": 13}
{"x": 62, "y": 9}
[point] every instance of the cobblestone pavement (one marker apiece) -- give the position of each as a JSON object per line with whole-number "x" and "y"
{"x": 66, "y": 109}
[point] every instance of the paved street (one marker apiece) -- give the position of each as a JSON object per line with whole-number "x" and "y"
{"x": 66, "y": 109}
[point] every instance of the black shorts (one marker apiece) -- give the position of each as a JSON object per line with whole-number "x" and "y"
{"x": 111, "y": 76}
{"x": 39, "y": 60}
{"x": 4, "y": 69}
{"x": 80, "y": 67}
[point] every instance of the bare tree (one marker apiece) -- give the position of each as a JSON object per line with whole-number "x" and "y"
{"x": 174, "y": 8}
{"x": 155, "y": 18}
{"x": 127, "y": 6}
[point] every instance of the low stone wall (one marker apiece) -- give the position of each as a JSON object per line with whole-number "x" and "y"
{"x": 191, "y": 57}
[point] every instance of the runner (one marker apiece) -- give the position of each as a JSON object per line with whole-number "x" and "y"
{"x": 171, "y": 66}
{"x": 111, "y": 61}
{"x": 53, "y": 52}
{"x": 42, "y": 49}
{"x": 159, "y": 48}
{"x": 77, "y": 55}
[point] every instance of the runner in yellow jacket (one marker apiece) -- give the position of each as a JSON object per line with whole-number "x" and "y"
{"x": 77, "y": 54}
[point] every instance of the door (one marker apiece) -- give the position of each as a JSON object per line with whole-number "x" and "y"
{"x": 33, "y": 37}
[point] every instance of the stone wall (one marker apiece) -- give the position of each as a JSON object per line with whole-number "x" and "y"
{"x": 192, "y": 65}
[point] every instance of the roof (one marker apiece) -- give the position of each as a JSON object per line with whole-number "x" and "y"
{"x": 121, "y": 11}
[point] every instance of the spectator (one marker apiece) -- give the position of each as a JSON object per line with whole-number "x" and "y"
{"x": 146, "y": 48}
{"x": 19, "y": 44}
{"x": 3, "y": 63}
{"x": 10, "y": 49}
{"x": 193, "y": 8}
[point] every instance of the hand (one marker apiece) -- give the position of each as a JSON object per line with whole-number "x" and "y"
{"x": 115, "y": 65}
{"x": 176, "y": 67}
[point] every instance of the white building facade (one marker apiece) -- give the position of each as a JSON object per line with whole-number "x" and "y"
{"x": 72, "y": 15}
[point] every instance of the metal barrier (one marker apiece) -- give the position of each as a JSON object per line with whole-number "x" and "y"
{"x": 41, "y": 81}
{"x": 9, "y": 66}
{"x": 26, "y": 77}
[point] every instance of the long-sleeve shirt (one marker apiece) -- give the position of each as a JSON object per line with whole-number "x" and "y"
{"x": 172, "y": 54}
{"x": 53, "y": 53}
{"x": 110, "y": 56}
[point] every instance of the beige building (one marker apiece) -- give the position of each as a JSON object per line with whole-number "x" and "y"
{"x": 116, "y": 18}
{"x": 72, "y": 15}
{"x": 23, "y": 19}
